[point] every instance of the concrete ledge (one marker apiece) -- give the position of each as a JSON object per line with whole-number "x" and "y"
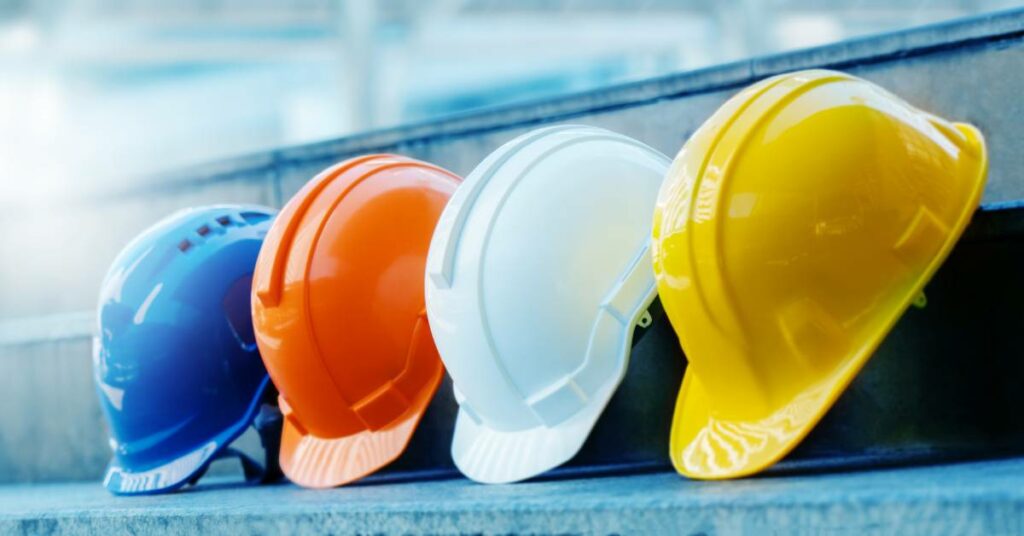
{"x": 969, "y": 498}
{"x": 48, "y": 328}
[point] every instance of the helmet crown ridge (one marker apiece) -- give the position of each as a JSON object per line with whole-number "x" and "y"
{"x": 538, "y": 271}
{"x": 339, "y": 291}
{"x": 763, "y": 214}
{"x": 174, "y": 304}
{"x": 268, "y": 283}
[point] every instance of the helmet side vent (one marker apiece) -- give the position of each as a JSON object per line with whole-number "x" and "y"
{"x": 252, "y": 218}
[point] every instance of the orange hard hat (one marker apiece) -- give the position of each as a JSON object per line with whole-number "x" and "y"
{"x": 339, "y": 316}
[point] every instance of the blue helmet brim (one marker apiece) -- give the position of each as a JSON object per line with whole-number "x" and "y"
{"x": 177, "y": 472}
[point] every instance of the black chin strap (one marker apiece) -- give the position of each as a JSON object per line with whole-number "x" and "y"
{"x": 268, "y": 425}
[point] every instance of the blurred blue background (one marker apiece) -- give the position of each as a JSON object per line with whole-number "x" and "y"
{"x": 97, "y": 92}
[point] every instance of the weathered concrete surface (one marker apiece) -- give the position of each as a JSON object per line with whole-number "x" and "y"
{"x": 977, "y": 498}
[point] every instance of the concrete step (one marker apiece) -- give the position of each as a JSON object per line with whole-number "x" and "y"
{"x": 963, "y": 499}
{"x": 969, "y": 70}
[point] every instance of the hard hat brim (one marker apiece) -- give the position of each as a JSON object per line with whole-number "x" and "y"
{"x": 121, "y": 480}
{"x": 493, "y": 456}
{"x": 317, "y": 462}
{"x": 752, "y": 446}
{"x": 697, "y": 433}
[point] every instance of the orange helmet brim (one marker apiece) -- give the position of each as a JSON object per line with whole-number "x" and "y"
{"x": 317, "y": 462}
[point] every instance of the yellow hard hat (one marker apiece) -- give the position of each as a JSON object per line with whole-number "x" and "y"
{"x": 792, "y": 231}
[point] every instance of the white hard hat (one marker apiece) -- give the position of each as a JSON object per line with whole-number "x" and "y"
{"x": 537, "y": 274}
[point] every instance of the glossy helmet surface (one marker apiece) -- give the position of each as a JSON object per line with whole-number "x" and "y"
{"x": 175, "y": 362}
{"x": 793, "y": 230}
{"x": 538, "y": 273}
{"x": 339, "y": 315}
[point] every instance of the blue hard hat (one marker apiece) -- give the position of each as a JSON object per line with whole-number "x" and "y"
{"x": 177, "y": 369}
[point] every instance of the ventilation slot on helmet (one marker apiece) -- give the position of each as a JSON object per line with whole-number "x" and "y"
{"x": 203, "y": 231}
{"x": 184, "y": 245}
{"x": 252, "y": 218}
{"x": 224, "y": 220}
